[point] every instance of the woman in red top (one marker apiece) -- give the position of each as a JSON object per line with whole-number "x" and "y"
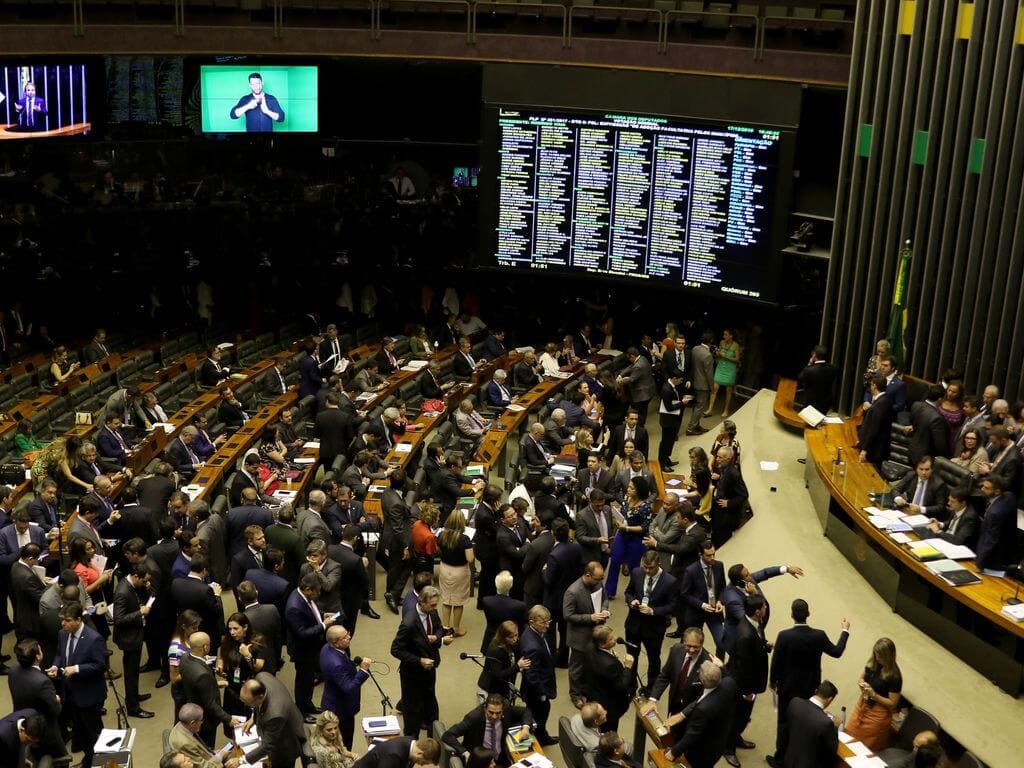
{"x": 424, "y": 541}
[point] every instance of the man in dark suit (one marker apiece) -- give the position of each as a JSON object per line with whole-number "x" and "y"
{"x": 512, "y": 545}
{"x": 730, "y": 500}
{"x": 306, "y": 626}
{"x": 536, "y": 557}
{"x": 402, "y": 752}
{"x": 211, "y": 372}
{"x": 26, "y": 588}
{"x": 557, "y": 434}
{"x": 748, "y": 666}
{"x": 274, "y": 383}
{"x": 498, "y": 394}
{"x": 895, "y": 387}
{"x": 417, "y": 646}
{"x": 354, "y": 577}
{"x": 136, "y": 521}
{"x": 609, "y": 679}
{"x": 277, "y": 719}
{"x": 431, "y": 387}
{"x": 818, "y": 381}
{"x": 921, "y": 492}
{"x": 20, "y": 732}
{"x": 265, "y": 619}
{"x": 796, "y": 666}
{"x": 112, "y": 445}
{"x": 82, "y": 662}
{"x": 230, "y": 411}
{"x": 875, "y": 431}
{"x": 960, "y": 524}
{"x": 463, "y": 362}
{"x": 681, "y": 675}
{"x": 200, "y": 686}
{"x": 673, "y": 398}
{"x": 485, "y": 520}
{"x": 1004, "y": 459}
{"x": 703, "y": 583}
{"x": 564, "y": 566}
{"x": 813, "y": 737}
{"x": 594, "y": 529}
{"x": 240, "y": 518}
{"x": 155, "y": 490}
{"x": 494, "y": 344}
{"x": 330, "y": 353}
{"x": 396, "y": 539}
{"x": 743, "y": 583}
{"x": 249, "y": 557}
{"x": 273, "y": 588}
{"x": 929, "y": 432}
{"x": 31, "y": 688}
{"x": 500, "y": 607}
{"x": 42, "y": 510}
{"x": 708, "y": 725}
{"x": 632, "y": 429}
{"x": 533, "y": 455}
{"x": 192, "y": 592}
{"x": 651, "y": 596}
{"x": 997, "y": 539}
{"x": 538, "y": 684}
{"x": 335, "y": 429}
{"x": 594, "y": 476}
{"x": 639, "y": 377}
{"x": 684, "y": 550}
{"x": 11, "y": 537}
{"x": 387, "y": 361}
{"x": 526, "y": 373}
{"x": 487, "y": 726}
{"x": 343, "y": 679}
{"x": 180, "y": 455}
{"x": 310, "y": 378}
{"x": 129, "y": 632}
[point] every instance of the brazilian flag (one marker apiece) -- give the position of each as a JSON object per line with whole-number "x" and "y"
{"x": 898, "y": 318}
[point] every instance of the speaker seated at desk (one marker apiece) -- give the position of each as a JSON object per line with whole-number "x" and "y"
{"x": 487, "y": 726}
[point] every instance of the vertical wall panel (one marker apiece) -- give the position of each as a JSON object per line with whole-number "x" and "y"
{"x": 935, "y": 84}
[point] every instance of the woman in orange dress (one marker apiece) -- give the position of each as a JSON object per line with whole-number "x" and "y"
{"x": 880, "y": 687}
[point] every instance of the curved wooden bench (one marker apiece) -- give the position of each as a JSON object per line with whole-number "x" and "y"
{"x": 784, "y": 406}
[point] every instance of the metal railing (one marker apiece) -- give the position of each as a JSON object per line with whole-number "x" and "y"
{"x": 668, "y": 21}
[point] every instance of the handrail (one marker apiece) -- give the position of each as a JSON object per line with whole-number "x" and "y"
{"x": 594, "y": 9}
{"x": 667, "y": 17}
{"x": 543, "y": 6}
{"x": 763, "y": 28}
{"x": 464, "y": 4}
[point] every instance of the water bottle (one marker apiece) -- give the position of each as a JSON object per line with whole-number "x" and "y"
{"x": 842, "y": 718}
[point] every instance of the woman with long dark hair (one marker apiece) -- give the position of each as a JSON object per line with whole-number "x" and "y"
{"x": 242, "y": 654}
{"x": 628, "y": 547}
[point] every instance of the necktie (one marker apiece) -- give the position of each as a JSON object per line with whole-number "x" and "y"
{"x": 31, "y": 117}
{"x": 53, "y": 515}
{"x": 391, "y": 359}
{"x": 629, "y": 434}
{"x": 955, "y": 522}
{"x": 316, "y": 612}
{"x": 710, "y": 579}
{"x": 476, "y": 419}
{"x": 489, "y": 735}
{"x": 259, "y": 558}
{"x": 919, "y": 495}
{"x": 686, "y": 669}
{"x": 519, "y": 536}
{"x": 120, "y": 440}
{"x": 648, "y": 586}
{"x": 336, "y": 349}
{"x": 680, "y": 360}
{"x": 103, "y": 349}
{"x": 602, "y": 524}
{"x": 72, "y": 644}
{"x": 280, "y": 380}
{"x": 430, "y": 627}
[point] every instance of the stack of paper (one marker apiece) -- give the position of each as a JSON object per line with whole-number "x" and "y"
{"x": 312, "y": 444}
{"x": 168, "y": 428}
{"x": 403, "y": 448}
{"x": 1015, "y": 612}
{"x": 246, "y": 741}
{"x": 515, "y": 407}
{"x": 952, "y": 572}
{"x": 950, "y": 550}
{"x": 924, "y": 552}
{"x": 192, "y": 491}
{"x": 381, "y": 726}
{"x": 305, "y": 460}
{"x": 916, "y": 520}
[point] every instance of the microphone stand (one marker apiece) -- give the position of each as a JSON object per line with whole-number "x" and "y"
{"x": 513, "y": 692}
{"x": 122, "y": 711}
{"x": 385, "y": 700}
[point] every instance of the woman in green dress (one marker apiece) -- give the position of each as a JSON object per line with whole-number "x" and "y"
{"x": 26, "y": 441}
{"x": 419, "y": 343}
{"x": 728, "y": 357}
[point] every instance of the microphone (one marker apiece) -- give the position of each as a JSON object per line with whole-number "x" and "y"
{"x": 620, "y": 641}
{"x": 463, "y": 656}
{"x": 357, "y": 660}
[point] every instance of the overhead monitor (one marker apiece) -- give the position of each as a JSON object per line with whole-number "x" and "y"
{"x": 254, "y": 98}
{"x": 637, "y": 196}
{"x": 43, "y": 101}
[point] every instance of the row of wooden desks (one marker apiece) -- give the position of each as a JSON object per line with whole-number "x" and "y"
{"x": 968, "y": 619}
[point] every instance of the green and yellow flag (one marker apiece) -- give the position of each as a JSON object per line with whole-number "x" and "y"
{"x": 898, "y": 318}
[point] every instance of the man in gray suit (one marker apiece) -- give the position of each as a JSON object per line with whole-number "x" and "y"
{"x": 594, "y": 529}
{"x": 584, "y": 606}
{"x": 311, "y": 523}
{"x": 212, "y": 531}
{"x": 277, "y": 720}
{"x": 665, "y": 530}
{"x": 703, "y": 380}
{"x": 640, "y": 379}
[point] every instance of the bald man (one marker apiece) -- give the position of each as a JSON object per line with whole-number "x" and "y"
{"x": 201, "y": 688}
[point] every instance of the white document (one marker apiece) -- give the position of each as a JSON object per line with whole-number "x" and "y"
{"x": 859, "y": 748}
{"x": 864, "y": 761}
{"x": 845, "y": 737}
{"x": 192, "y": 491}
{"x": 914, "y": 520}
{"x": 900, "y": 538}
{"x": 99, "y": 562}
{"x": 878, "y": 521}
{"x": 149, "y": 603}
{"x": 951, "y": 550}
{"x": 515, "y": 408}
{"x": 403, "y": 447}
{"x": 380, "y": 726}
{"x": 305, "y": 460}
{"x": 812, "y": 416}
{"x": 312, "y": 444}
{"x": 833, "y": 420}
{"x": 469, "y": 531}
{"x": 168, "y": 428}
{"x": 564, "y": 468}
{"x": 770, "y": 466}
{"x": 673, "y": 482}
{"x": 246, "y": 742}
